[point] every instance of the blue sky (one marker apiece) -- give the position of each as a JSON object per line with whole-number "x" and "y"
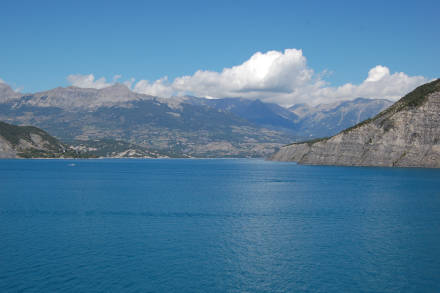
{"x": 43, "y": 42}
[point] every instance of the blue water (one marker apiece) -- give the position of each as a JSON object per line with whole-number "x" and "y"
{"x": 216, "y": 226}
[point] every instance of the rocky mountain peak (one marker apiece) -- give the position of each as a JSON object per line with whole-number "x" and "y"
{"x": 73, "y": 97}
{"x": 118, "y": 92}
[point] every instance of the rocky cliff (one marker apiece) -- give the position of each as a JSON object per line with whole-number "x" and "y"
{"x": 405, "y": 135}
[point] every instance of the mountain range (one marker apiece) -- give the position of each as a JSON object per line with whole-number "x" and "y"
{"x": 328, "y": 119}
{"x": 178, "y": 126}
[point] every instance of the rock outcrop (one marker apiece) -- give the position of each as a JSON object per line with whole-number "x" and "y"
{"x": 405, "y": 135}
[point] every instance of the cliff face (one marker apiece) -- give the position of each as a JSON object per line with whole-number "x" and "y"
{"x": 405, "y": 135}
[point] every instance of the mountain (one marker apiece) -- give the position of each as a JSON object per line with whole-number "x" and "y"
{"x": 75, "y": 98}
{"x": 28, "y": 142}
{"x": 179, "y": 126}
{"x": 407, "y": 134}
{"x": 300, "y": 120}
{"x": 267, "y": 115}
{"x": 165, "y": 125}
{"x": 329, "y": 119}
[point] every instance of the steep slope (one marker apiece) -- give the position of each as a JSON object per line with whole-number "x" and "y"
{"x": 407, "y": 135}
{"x": 29, "y": 141}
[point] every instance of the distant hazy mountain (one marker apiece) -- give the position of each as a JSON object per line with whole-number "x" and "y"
{"x": 178, "y": 126}
{"x": 266, "y": 115}
{"x": 328, "y": 119}
{"x": 301, "y": 120}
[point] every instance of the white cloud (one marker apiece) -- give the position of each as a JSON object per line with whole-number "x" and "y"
{"x": 88, "y": 81}
{"x": 264, "y": 75}
{"x": 380, "y": 83}
{"x": 1, "y": 80}
{"x": 283, "y": 78}
{"x": 273, "y": 76}
{"x": 377, "y": 73}
{"x": 129, "y": 83}
{"x": 261, "y": 75}
{"x": 160, "y": 87}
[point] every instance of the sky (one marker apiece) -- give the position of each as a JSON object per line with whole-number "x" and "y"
{"x": 278, "y": 51}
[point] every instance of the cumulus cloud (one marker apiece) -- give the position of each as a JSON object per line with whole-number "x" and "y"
{"x": 273, "y": 76}
{"x": 88, "y": 81}
{"x": 160, "y": 87}
{"x": 283, "y": 78}
{"x": 129, "y": 83}
{"x": 264, "y": 73}
{"x": 377, "y": 73}
{"x": 380, "y": 83}
{"x": 1, "y": 80}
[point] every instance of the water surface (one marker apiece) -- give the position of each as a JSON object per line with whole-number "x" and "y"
{"x": 216, "y": 226}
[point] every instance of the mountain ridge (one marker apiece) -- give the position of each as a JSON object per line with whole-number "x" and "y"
{"x": 329, "y": 119}
{"x": 186, "y": 126}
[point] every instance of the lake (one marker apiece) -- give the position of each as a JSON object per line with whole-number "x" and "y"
{"x": 216, "y": 225}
